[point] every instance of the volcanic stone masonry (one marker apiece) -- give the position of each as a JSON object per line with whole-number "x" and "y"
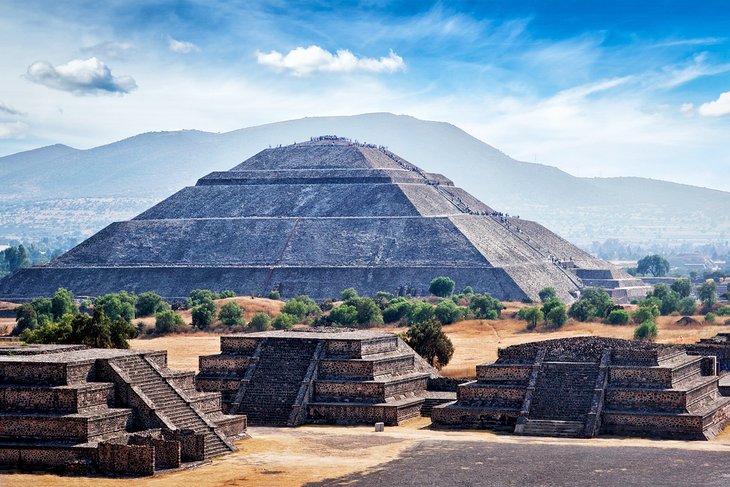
{"x": 81, "y": 410}
{"x": 327, "y": 375}
{"x": 318, "y": 217}
{"x": 583, "y": 387}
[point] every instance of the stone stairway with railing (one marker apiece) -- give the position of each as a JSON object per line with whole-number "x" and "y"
{"x": 272, "y": 391}
{"x": 170, "y": 402}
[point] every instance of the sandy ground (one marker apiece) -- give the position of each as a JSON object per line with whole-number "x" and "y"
{"x": 294, "y": 456}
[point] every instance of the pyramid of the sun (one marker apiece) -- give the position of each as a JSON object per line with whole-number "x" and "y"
{"x": 315, "y": 218}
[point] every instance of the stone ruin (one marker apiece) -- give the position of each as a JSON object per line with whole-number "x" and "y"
{"x": 81, "y": 410}
{"x": 327, "y": 375}
{"x": 318, "y": 217}
{"x": 719, "y": 346}
{"x": 590, "y": 386}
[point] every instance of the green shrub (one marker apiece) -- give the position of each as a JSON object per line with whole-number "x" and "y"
{"x": 200, "y": 296}
{"x": 62, "y": 304}
{"x": 326, "y": 304}
{"x": 117, "y": 306}
{"x": 284, "y": 321}
{"x": 226, "y": 294}
{"x": 683, "y": 287}
{"x": 645, "y": 313}
{"x": 557, "y": 316}
{"x": 448, "y": 312}
{"x": 167, "y": 321}
{"x": 262, "y": 321}
{"x": 420, "y": 311}
{"x": 348, "y": 293}
{"x": 532, "y": 316}
{"x": 295, "y": 308}
{"x": 618, "y": 317}
{"x": 204, "y": 314}
{"x": 395, "y": 311}
{"x": 231, "y": 314}
{"x": 723, "y": 310}
{"x": 686, "y": 306}
{"x": 467, "y": 291}
{"x": 368, "y": 312}
{"x": 485, "y": 306}
{"x": 442, "y": 287}
{"x": 149, "y": 303}
{"x": 710, "y": 317}
{"x": 275, "y": 295}
{"x": 582, "y": 310}
{"x": 646, "y": 331}
{"x": 343, "y": 315}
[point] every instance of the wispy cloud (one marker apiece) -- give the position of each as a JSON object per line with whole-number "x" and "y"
{"x": 80, "y": 77}
{"x": 303, "y": 61}
{"x": 111, "y": 49}
{"x": 181, "y": 47}
{"x": 7, "y": 109}
{"x": 716, "y": 108}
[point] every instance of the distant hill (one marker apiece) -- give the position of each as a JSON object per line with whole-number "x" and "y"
{"x": 86, "y": 189}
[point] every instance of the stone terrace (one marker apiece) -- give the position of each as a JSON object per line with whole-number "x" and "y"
{"x": 583, "y": 387}
{"x": 80, "y": 409}
{"x": 322, "y": 376}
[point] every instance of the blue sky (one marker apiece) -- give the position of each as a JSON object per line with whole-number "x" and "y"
{"x": 625, "y": 88}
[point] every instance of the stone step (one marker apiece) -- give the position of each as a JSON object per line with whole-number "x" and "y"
{"x": 564, "y": 429}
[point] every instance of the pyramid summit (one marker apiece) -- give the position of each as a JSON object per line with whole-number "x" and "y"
{"x": 317, "y": 217}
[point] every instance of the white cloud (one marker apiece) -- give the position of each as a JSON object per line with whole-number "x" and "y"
{"x": 12, "y": 129}
{"x": 80, "y": 77}
{"x": 306, "y": 60}
{"x": 716, "y": 108}
{"x": 182, "y": 47}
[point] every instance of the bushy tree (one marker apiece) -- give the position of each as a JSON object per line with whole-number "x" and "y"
{"x": 349, "y": 293}
{"x": 448, "y": 312}
{"x": 645, "y": 313}
{"x": 231, "y": 314}
{"x": 275, "y": 295}
{"x": 262, "y": 322}
{"x": 116, "y": 306}
{"x": 708, "y": 294}
{"x": 296, "y": 309}
{"x": 723, "y": 310}
{"x": 582, "y": 310}
{"x": 442, "y": 286}
{"x": 167, "y": 321}
{"x": 382, "y": 299}
{"x": 149, "y": 303}
{"x": 43, "y": 308}
{"x": 687, "y": 306}
{"x": 467, "y": 291}
{"x": 532, "y": 316}
{"x": 343, "y": 315}
{"x": 94, "y": 331}
{"x": 420, "y": 311}
{"x": 200, "y": 296}
{"x": 547, "y": 293}
{"x": 14, "y": 258}
{"x": 618, "y": 317}
{"x": 557, "y": 316}
{"x": 656, "y": 265}
{"x": 710, "y": 317}
{"x": 683, "y": 287}
{"x": 485, "y": 307}
{"x": 368, "y": 313}
{"x": 396, "y": 310}
{"x": 26, "y": 318}
{"x": 62, "y": 304}
{"x": 204, "y": 314}
{"x": 284, "y": 321}
{"x": 429, "y": 341}
{"x": 646, "y": 331}
{"x": 227, "y": 293}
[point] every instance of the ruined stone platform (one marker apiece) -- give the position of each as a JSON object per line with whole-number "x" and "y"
{"x": 318, "y": 217}
{"x": 81, "y": 410}
{"x": 590, "y": 386}
{"x": 327, "y": 375}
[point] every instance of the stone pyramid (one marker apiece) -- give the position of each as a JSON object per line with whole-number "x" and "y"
{"x": 315, "y": 218}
